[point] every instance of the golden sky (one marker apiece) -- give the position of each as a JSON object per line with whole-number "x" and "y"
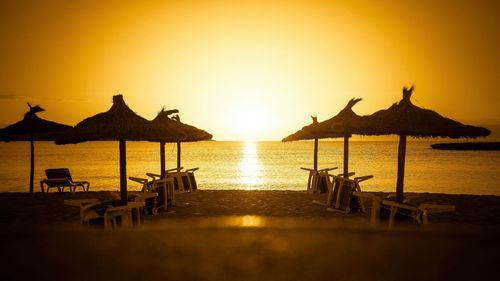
{"x": 249, "y": 69}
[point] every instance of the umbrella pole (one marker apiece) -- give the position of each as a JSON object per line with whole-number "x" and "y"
{"x": 162, "y": 160}
{"x": 315, "y": 164}
{"x": 346, "y": 157}
{"x": 32, "y": 168}
{"x": 178, "y": 155}
{"x": 401, "y": 168}
{"x": 123, "y": 172}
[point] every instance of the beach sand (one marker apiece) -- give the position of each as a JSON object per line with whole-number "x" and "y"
{"x": 247, "y": 235}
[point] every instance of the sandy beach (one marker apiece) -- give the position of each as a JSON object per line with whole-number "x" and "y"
{"x": 48, "y": 210}
{"x": 247, "y": 235}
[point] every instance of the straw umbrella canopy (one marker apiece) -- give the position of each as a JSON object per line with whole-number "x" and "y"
{"x": 307, "y": 134}
{"x": 32, "y": 128}
{"x": 405, "y": 119}
{"x": 118, "y": 123}
{"x": 344, "y": 124}
{"x": 191, "y": 133}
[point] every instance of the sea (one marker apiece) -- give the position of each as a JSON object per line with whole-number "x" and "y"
{"x": 269, "y": 165}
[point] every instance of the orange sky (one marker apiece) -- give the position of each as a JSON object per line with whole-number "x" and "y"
{"x": 249, "y": 69}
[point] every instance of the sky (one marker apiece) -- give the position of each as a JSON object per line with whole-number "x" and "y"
{"x": 244, "y": 69}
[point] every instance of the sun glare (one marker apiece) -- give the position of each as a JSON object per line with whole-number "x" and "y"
{"x": 250, "y": 123}
{"x": 250, "y": 175}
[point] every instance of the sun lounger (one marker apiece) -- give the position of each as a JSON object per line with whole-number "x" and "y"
{"x": 192, "y": 178}
{"x": 93, "y": 209}
{"x": 163, "y": 190}
{"x": 341, "y": 194}
{"x": 419, "y": 214}
{"x": 184, "y": 181}
{"x": 60, "y": 178}
{"x": 317, "y": 179}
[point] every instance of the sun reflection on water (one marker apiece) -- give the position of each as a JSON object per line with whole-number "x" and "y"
{"x": 250, "y": 168}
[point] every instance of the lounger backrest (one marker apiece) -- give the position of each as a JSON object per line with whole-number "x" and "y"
{"x": 58, "y": 173}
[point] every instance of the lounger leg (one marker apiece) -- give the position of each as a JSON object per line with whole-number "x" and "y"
{"x": 425, "y": 218}
{"x": 375, "y": 212}
{"x": 394, "y": 210}
{"x": 309, "y": 181}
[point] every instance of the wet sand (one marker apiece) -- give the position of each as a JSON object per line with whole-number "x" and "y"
{"x": 248, "y": 235}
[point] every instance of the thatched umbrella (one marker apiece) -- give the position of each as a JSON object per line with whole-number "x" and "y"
{"x": 32, "y": 128}
{"x": 306, "y": 134}
{"x": 344, "y": 124}
{"x": 405, "y": 119}
{"x": 118, "y": 123}
{"x": 190, "y": 133}
{"x": 193, "y": 134}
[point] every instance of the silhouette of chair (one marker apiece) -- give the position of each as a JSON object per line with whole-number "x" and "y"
{"x": 192, "y": 178}
{"x": 107, "y": 212}
{"x": 317, "y": 179}
{"x": 419, "y": 214}
{"x": 345, "y": 195}
{"x": 60, "y": 178}
{"x": 158, "y": 194}
{"x": 184, "y": 181}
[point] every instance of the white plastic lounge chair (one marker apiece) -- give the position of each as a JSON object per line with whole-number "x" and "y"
{"x": 161, "y": 191}
{"x": 60, "y": 178}
{"x": 89, "y": 212}
{"x": 316, "y": 178}
{"x": 420, "y": 213}
{"x": 182, "y": 180}
{"x": 341, "y": 194}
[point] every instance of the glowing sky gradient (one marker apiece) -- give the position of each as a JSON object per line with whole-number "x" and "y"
{"x": 249, "y": 69}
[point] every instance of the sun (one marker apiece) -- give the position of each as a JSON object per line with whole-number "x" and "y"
{"x": 250, "y": 123}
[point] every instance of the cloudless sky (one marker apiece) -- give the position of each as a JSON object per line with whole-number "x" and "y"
{"x": 249, "y": 69}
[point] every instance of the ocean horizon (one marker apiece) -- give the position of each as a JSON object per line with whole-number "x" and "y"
{"x": 260, "y": 165}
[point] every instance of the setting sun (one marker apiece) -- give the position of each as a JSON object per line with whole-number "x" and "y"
{"x": 247, "y": 69}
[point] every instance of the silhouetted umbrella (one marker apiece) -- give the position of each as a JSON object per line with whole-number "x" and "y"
{"x": 344, "y": 124}
{"x": 191, "y": 134}
{"x": 405, "y": 119}
{"x": 306, "y": 134}
{"x": 118, "y": 123}
{"x": 32, "y": 128}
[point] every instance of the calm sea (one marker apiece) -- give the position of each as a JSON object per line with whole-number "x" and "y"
{"x": 258, "y": 165}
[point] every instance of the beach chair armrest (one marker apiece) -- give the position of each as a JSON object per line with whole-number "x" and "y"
{"x": 348, "y": 174}
{"x": 174, "y": 169}
{"x": 363, "y": 178}
{"x": 192, "y": 169}
{"x": 307, "y": 169}
{"x": 327, "y": 169}
{"x": 153, "y": 175}
{"x": 138, "y": 180}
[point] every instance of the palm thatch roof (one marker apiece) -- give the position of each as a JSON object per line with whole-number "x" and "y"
{"x": 405, "y": 118}
{"x": 32, "y": 128}
{"x": 308, "y": 133}
{"x": 173, "y": 123}
{"x": 32, "y": 125}
{"x": 118, "y": 123}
